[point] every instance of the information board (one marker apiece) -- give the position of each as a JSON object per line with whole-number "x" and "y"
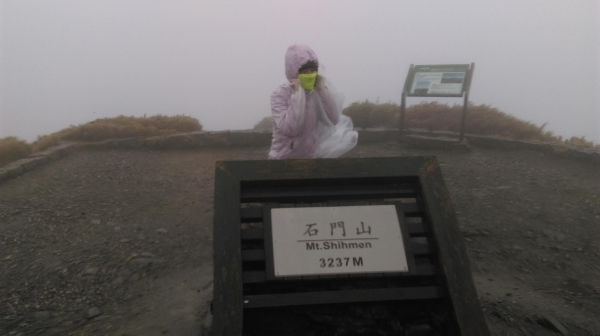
{"x": 337, "y": 240}
{"x": 438, "y": 80}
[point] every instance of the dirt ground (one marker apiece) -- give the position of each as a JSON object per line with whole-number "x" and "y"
{"x": 119, "y": 242}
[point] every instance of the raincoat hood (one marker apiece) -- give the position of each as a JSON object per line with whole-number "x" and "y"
{"x": 295, "y": 57}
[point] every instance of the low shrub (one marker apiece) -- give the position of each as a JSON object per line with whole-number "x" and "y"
{"x": 481, "y": 119}
{"x": 581, "y": 142}
{"x": 120, "y": 127}
{"x": 371, "y": 115}
{"x": 433, "y": 116}
{"x": 12, "y": 149}
{"x": 266, "y": 124}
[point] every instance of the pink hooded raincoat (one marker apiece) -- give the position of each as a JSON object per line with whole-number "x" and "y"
{"x": 308, "y": 124}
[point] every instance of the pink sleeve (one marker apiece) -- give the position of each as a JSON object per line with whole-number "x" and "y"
{"x": 287, "y": 110}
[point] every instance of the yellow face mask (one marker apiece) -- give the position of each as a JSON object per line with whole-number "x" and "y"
{"x": 307, "y": 81}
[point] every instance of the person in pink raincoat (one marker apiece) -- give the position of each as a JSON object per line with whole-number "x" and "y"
{"x": 307, "y": 112}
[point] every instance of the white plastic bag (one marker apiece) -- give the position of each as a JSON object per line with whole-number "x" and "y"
{"x": 334, "y": 140}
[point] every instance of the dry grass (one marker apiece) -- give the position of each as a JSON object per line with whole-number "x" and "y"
{"x": 371, "y": 115}
{"x": 12, "y": 149}
{"x": 120, "y": 127}
{"x": 481, "y": 120}
{"x": 581, "y": 142}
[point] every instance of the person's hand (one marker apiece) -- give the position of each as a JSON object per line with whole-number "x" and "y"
{"x": 319, "y": 82}
{"x": 295, "y": 84}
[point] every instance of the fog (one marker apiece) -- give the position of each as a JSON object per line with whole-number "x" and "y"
{"x": 70, "y": 62}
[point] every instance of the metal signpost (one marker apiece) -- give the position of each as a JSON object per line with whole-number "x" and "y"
{"x": 308, "y": 246}
{"x": 443, "y": 80}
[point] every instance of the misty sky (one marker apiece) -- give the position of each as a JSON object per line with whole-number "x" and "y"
{"x": 70, "y": 62}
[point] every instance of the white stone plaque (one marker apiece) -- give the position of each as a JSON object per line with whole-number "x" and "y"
{"x": 337, "y": 240}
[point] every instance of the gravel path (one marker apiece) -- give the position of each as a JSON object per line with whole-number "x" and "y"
{"x": 119, "y": 242}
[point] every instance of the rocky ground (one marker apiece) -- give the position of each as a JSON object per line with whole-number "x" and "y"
{"x": 119, "y": 242}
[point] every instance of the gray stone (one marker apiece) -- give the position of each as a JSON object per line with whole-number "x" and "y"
{"x": 556, "y": 236}
{"x": 262, "y": 138}
{"x": 96, "y": 221}
{"x": 151, "y": 142}
{"x": 492, "y": 142}
{"x": 218, "y": 139}
{"x": 14, "y": 171}
{"x": 145, "y": 261}
{"x": 360, "y": 132}
{"x": 161, "y": 230}
{"x": 91, "y": 270}
{"x": 111, "y": 223}
{"x": 147, "y": 255}
{"x": 467, "y": 233}
{"x": 577, "y": 153}
{"x": 371, "y": 135}
{"x": 59, "y": 151}
{"x": 117, "y": 282}
{"x": 417, "y": 131}
{"x": 195, "y": 139}
{"x": 65, "y": 149}
{"x": 131, "y": 143}
{"x": 423, "y": 142}
{"x": 549, "y": 322}
{"x": 30, "y": 163}
{"x": 503, "y": 187}
{"x": 93, "y": 312}
{"x": 448, "y": 134}
{"x": 41, "y": 315}
{"x": 4, "y": 175}
{"x": 391, "y": 134}
{"x": 141, "y": 236}
{"x": 53, "y": 264}
{"x": 117, "y": 228}
{"x": 124, "y": 240}
{"x": 176, "y": 141}
{"x": 134, "y": 278}
{"x": 125, "y": 273}
{"x": 113, "y": 143}
{"x": 207, "y": 324}
{"x": 54, "y": 155}
{"x": 242, "y": 138}
{"x": 524, "y": 331}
